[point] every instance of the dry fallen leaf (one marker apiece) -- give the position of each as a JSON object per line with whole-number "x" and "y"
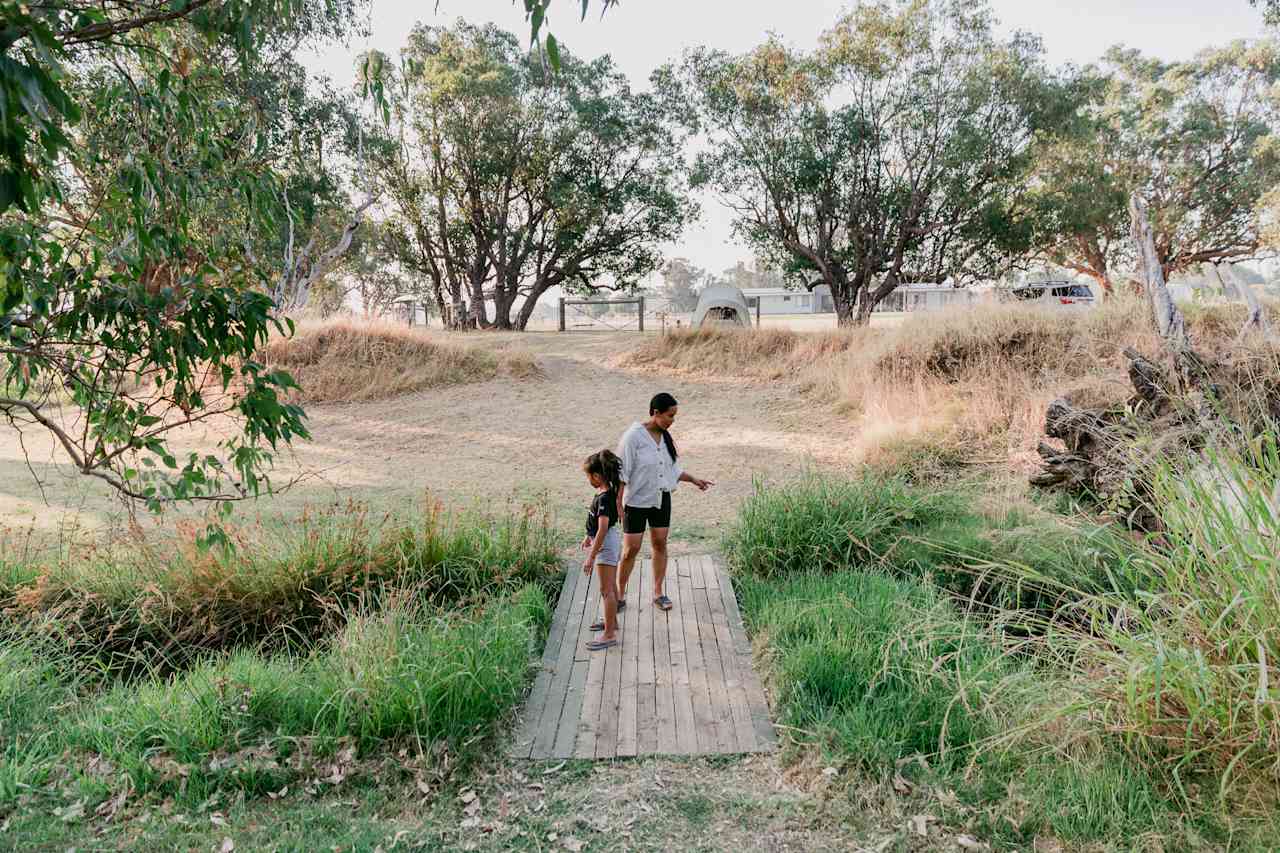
{"x": 227, "y": 846}
{"x": 470, "y": 822}
{"x": 472, "y": 808}
{"x": 920, "y": 824}
{"x": 108, "y": 808}
{"x": 555, "y": 769}
{"x": 467, "y": 796}
{"x": 424, "y": 786}
{"x": 1047, "y": 845}
{"x": 275, "y": 795}
{"x": 968, "y": 842}
{"x": 573, "y": 845}
{"x": 829, "y": 772}
{"x": 902, "y": 786}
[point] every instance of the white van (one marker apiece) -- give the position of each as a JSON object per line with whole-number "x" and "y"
{"x": 1053, "y": 293}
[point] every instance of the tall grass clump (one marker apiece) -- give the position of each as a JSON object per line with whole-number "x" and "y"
{"x": 938, "y": 534}
{"x": 825, "y": 523}
{"x": 861, "y": 603}
{"x": 157, "y": 605}
{"x": 407, "y": 672}
{"x": 876, "y": 669}
{"x": 351, "y": 362}
{"x": 36, "y": 688}
{"x": 1184, "y": 671}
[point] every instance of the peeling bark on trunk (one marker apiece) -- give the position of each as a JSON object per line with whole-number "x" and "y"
{"x": 1164, "y": 313}
{"x": 1168, "y": 320}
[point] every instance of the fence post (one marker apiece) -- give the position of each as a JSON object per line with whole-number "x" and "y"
{"x": 642, "y": 313}
{"x": 562, "y": 313}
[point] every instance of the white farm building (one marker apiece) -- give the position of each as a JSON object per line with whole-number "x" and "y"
{"x": 781, "y": 300}
{"x": 908, "y": 297}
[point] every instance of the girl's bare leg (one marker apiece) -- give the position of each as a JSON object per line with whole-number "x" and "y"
{"x": 609, "y": 593}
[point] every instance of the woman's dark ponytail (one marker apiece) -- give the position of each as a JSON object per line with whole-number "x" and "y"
{"x": 607, "y": 466}
{"x": 660, "y": 403}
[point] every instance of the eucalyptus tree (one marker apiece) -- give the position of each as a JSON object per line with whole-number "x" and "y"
{"x": 510, "y": 178}
{"x": 159, "y": 165}
{"x": 898, "y": 151}
{"x": 1197, "y": 139}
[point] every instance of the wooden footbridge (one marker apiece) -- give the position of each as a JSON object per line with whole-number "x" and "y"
{"x": 680, "y": 682}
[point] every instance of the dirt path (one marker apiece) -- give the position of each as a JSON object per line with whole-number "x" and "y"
{"x": 505, "y": 440}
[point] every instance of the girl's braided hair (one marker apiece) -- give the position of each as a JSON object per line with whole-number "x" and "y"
{"x": 607, "y": 466}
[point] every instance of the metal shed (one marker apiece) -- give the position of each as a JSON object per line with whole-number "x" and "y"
{"x": 722, "y": 305}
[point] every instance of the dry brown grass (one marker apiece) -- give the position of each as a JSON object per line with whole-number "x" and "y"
{"x": 951, "y": 389}
{"x": 350, "y": 362}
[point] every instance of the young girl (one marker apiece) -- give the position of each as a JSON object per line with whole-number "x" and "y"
{"x": 603, "y": 542}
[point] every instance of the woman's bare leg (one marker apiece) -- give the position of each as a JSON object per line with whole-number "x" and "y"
{"x": 658, "y": 541}
{"x": 631, "y": 543}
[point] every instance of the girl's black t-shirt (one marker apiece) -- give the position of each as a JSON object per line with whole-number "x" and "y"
{"x": 603, "y": 504}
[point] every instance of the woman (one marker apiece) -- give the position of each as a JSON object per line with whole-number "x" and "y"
{"x": 650, "y": 471}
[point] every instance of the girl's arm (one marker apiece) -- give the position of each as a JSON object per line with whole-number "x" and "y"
{"x": 703, "y": 485}
{"x": 622, "y": 490}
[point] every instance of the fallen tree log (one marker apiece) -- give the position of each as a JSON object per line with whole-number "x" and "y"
{"x": 1111, "y": 455}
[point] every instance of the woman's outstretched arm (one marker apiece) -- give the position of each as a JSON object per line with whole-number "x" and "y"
{"x": 703, "y": 485}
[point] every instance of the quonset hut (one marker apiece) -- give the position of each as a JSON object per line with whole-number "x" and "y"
{"x": 722, "y": 305}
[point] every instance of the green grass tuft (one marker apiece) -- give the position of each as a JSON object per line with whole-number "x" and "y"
{"x": 154, "y": 607}
{"x": 874, "y": 668}
{"x": 255, "y": 724}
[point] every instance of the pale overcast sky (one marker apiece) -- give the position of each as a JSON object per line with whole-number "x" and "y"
{"x": 642, "y": 34}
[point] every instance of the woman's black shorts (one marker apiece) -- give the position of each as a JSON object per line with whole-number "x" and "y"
{"x": 635, "y": 518}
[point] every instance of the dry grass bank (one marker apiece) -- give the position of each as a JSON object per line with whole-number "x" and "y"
{"x": 946, "y": 390}
{"x": 350, "y": 362}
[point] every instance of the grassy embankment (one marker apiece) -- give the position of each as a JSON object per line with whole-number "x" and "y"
{"x": 157, "y": 675}
{"x": 344, "y": 361}
{"x": 945, "y": 392}
{"x": 1064, "y": 680}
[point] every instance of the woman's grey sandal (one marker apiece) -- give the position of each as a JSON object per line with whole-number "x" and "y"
{"x": 598, "y": 645}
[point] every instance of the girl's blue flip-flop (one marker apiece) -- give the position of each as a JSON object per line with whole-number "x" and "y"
{"x": 598, "y": 645}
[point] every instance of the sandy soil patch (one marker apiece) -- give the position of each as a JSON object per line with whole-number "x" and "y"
{"x": 490, "y": 443}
